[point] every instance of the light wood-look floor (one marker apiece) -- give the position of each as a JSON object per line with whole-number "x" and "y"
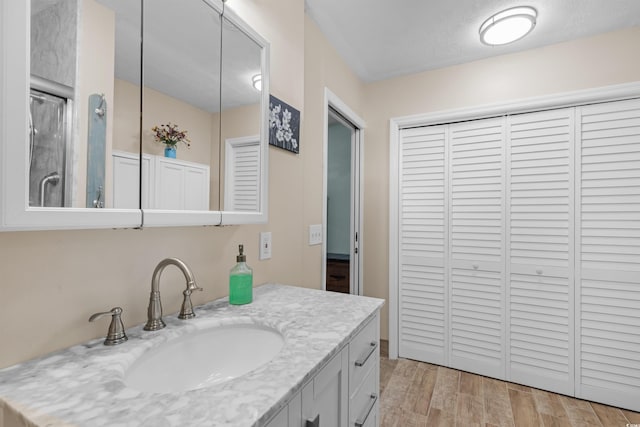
{"x": 416, "y": 394}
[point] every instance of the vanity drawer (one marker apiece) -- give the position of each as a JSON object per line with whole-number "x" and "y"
{"x": 363, "y": 405}
{"x": 364, "y": 353}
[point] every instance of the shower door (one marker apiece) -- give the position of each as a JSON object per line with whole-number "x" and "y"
{"x": 47, "y": 150}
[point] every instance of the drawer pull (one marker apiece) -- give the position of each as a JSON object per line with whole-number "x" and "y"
{"x": 539, "y": 271}
{"x": 361, "y": 421}
{"x": 475, "y": 266}
{"x": 363, "y": 360}
{"x": 313, "y": 422}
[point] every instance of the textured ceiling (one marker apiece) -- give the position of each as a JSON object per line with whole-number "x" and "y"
{"x": 382, "y": 39}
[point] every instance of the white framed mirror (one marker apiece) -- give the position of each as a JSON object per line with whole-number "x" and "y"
{"x": 244, "y": 107}
{"x": 57, "y": 116}
{"x": 206, "y": 91}
{"x": 60, "y": 187}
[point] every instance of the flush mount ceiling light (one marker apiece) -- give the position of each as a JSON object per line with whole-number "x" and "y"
{"x": 257, "y": 81}
{"x": 508, "y": 26}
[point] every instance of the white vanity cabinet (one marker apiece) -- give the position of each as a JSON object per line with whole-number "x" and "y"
{"x": 345, "y": 390}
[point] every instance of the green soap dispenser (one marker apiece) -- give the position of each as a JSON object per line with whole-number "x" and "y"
{"x": 241, "y": 280}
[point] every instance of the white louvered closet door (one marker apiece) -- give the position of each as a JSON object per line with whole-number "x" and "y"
{"x": 608, "y": 251}
{"x": 540, "y": 249}
{"x": 422, "y": 244}
{"x": 476, "y": 249}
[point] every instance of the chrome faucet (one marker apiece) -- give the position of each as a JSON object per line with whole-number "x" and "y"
{"x": 154, "y": 312}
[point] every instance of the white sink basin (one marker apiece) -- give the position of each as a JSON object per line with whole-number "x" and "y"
{"x": 204, "y": 358}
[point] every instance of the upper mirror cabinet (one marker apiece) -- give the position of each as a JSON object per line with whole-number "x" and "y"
{"x": 203, "y": 110}
{"x": 122, "y": 105}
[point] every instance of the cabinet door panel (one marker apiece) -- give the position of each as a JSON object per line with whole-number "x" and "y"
{"x": 364, "y": 354}
{"x": 169, "y": 191}
{"x": 423, "y": 222}
{"x": 327, "y": 395}
{"x": 608, "y": 251}
{"x": 540, "y": 249}
{"x": 196, "y": 189}
{"x": 363, "y": 406}
{"x": 476, "y": 251}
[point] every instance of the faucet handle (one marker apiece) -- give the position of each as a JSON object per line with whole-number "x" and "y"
{"x": 116, "y": 334}
{"x": 186, "y": 311}
{"x": 191, "y": 286}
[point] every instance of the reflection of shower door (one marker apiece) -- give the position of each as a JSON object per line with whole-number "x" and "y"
{"x": 47, "y": 150}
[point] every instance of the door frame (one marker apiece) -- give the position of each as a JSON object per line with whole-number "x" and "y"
{"x": 525, "y": 105}
{"x": 331, "y": 100}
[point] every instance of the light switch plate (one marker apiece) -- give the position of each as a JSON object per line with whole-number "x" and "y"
{"x": 315, "y": 234}
{"x": 265, "y": 245}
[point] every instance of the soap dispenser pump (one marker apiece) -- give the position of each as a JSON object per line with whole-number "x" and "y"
{"x": 241, "y": 280}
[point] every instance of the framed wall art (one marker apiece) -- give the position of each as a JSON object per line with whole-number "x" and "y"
{"x": 284, "y": 125}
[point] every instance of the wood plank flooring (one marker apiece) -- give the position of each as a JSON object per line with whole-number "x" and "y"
{"x": 416, "y": 394}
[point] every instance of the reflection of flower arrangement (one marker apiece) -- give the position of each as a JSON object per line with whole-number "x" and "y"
{"x": 169, "y": 135}
{"x": 280, "y": 127}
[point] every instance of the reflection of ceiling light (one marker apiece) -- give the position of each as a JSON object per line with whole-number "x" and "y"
{"x": 257, "y": 81}
{"x": 508, "y": 26}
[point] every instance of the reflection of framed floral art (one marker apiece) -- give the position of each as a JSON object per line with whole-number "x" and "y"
{"x": 284, "y": 125}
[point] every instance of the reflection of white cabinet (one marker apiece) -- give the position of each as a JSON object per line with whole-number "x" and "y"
{"x": 345, "y": 390}
{"x": 166, "y": 183}
{"x": 181, "y": 185}
{"x": 126, "y": 176}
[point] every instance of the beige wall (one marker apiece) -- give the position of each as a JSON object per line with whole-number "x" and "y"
{"x": 323, "y": 68}
{"x": 586, "y": 63}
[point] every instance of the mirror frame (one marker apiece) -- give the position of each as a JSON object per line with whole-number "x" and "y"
{"x": 15, "y": 212}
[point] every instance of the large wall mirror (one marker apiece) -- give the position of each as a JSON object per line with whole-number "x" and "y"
{"x": 103, "y": 84}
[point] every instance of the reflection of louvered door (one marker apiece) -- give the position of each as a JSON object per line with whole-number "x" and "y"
{"x": 476, "y": 236}
{"x": 242, "y": 175}
{"x": 608, "y": 252}
{"x": 540, "y": 249}
{"x": 422, "y": 244}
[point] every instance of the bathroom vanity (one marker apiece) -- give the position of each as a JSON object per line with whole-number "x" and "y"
{"x": 326, "y": 373}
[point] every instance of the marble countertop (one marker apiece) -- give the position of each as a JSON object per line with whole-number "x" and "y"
{"x": 83, "y": 385}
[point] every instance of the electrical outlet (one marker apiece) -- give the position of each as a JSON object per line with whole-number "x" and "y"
{"x": 315, "y": 234}
{"x": 265, "y": 245}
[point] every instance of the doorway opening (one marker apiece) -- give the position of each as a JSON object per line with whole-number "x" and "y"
{"x": 342, "y": 216}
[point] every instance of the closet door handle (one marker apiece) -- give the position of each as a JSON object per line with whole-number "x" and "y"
{"x": 363, "y": 360}
{"x": 361, "y": 421}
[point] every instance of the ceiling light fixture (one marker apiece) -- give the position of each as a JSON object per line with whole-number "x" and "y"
{"x": 508, "y": 26}
{"x": 257, "y": 81}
